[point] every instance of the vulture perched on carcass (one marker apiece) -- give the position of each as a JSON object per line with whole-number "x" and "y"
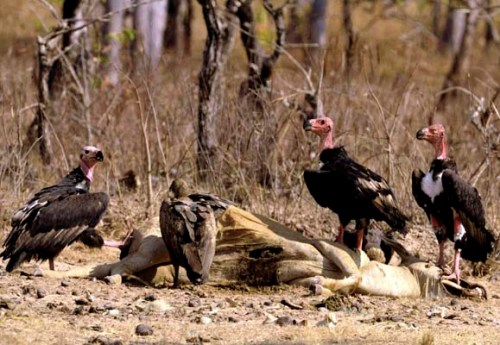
{"x": 347, "y": 188}
{"x": 188, "y": 228}
{"x": 453, "y": 207}
{"x": 57, "y": 216}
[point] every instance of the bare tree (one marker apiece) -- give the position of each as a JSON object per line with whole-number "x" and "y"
{"x": 461, "y": 59}
{"x": 453, "y": 33}
{"x": 215, "y": 54}
{"x": 260, "y": 66}
{"x": 436, "y": 15}
{"x": 111, "y": 32}
{"x": 178, "y": 32}
{"x": 150, "y": 18}
{"x": 317, "y": 29}
{"x": 349, "y": 37}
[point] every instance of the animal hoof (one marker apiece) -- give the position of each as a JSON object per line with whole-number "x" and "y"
{"x": 316, "y": 289}
{"x": 38, "y": 273}
{"x": 115, "y": 279}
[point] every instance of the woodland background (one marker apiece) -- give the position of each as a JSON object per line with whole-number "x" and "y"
{"x": 381, "y": 69}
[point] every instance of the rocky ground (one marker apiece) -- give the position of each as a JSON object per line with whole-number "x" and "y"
{"x": 85, "y": 311}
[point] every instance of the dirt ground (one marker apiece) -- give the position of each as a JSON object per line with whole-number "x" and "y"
{"x": 85, "y": 311}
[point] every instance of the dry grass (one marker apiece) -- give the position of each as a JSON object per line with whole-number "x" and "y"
{"x": 391, "y": 94}
{"x": 376, "y": 116}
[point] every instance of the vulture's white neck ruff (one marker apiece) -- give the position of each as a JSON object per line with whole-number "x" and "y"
{"x": 431, "y": 187}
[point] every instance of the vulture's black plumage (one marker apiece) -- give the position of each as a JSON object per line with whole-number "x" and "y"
{"x": 57, "y": 216}
{"x": 452, "y": 205}
{"x": 188, "y": 228}
{"x": 349, "y": 189}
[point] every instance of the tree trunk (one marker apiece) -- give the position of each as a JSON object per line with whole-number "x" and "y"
{"x": 214, "y": 56}
{"x": 178, "y": 31}
{"x": 436, "y": 16}
{"x": 111, "y": 31}
{"x": 38, "y": 130}
{"x": 461, "y": 59}
{"x": 150, "y": 19}
{"x": 454, "y": 30}
{"x": 349, "y": 38}
{"x": 317, "y": 27}
{"x": 259, "y": 66}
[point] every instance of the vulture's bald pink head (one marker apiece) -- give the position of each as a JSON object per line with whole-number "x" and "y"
{"x": 435, "y": 135}
{"x": 89, "y": 156}
{"x": 323, "y": 128}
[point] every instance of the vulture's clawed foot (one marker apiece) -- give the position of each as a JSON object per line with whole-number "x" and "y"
{"x": 452, "y": 277}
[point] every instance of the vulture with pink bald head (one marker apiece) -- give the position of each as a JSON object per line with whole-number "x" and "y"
{"x": 453, "y": 207}
{"x": 349, "y": 189}
{"x": 57, "y": 216}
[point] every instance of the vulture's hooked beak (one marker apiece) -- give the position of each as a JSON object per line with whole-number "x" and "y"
{"x": 421, "y": 134}
{"x": 307, "y": 125}
{"x": 99, "y": 156}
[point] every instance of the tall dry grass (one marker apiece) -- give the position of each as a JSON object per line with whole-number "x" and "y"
{"x": 397, "y": 74}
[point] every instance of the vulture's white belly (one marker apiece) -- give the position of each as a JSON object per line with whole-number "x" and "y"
{"x": 430, "y": 187}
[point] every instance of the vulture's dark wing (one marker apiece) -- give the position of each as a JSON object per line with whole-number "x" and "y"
{"x": 374, "y": 188}
{"x": 323, "y": 185}
{"x": 217, "y": 204}
{"x": 466, "y": 201}
{"x": 189, "y": 232}
{"x": 421, "y": 198}
{"x": 199, "y": 248}
{"x": 47, "y": 224}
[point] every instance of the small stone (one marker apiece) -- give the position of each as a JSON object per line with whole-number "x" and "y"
{"x": 270, "y": 319}
{"x": 65, "y": 283}
{"x": 113, "y": 312}
{"x": 41, "y": 293}
{"x": 74, "y": 293}
{"x": 205, "y": 320}
{"x": 81, "y": 301}
{"x": 143, "y": 330}
{"x": 6, "y": 303}
{"x": 150, "y": 297}
{"x": 102, "y": 340}
{"x": 304, "y": 323}
{"x": 268, "y": 303}
{"x": 232, "y": 303}
{"x": 232, "y": 319}
{"x": 97, "y": 328}
{"x": 454, "y": 301}
{"x": 396, "y": 318}
{"x": 94, "y": 310}
{"x": 194, "y": 303}
{"x": 285, "y": 321}
{"x": 78, "y": 310}
{"x": 159, "y": 306}
{"x": 38, "y": 273}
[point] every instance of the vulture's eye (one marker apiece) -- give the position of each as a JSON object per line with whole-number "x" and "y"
{"x": 86, "y": 151}
{"x": 322, "y": 122}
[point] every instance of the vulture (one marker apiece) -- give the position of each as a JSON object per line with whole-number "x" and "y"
{"x": 188, "y": 228}
{"x": 57, "y": 216}
{"x": 453, "y": 207}
{"x": 349, "y": 189}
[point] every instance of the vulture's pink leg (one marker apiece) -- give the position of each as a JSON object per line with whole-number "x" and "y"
{"x": 359, "y": 239}
{"x": 340, "y": 235}
{"x": 440, "y": 260}
{"x": 51, "y": 264}
{"x": 459, "y": 232}
{"x": 114, "y": 244}
{"x": 436, "y": 225}
{"x": 456, "y": 267}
